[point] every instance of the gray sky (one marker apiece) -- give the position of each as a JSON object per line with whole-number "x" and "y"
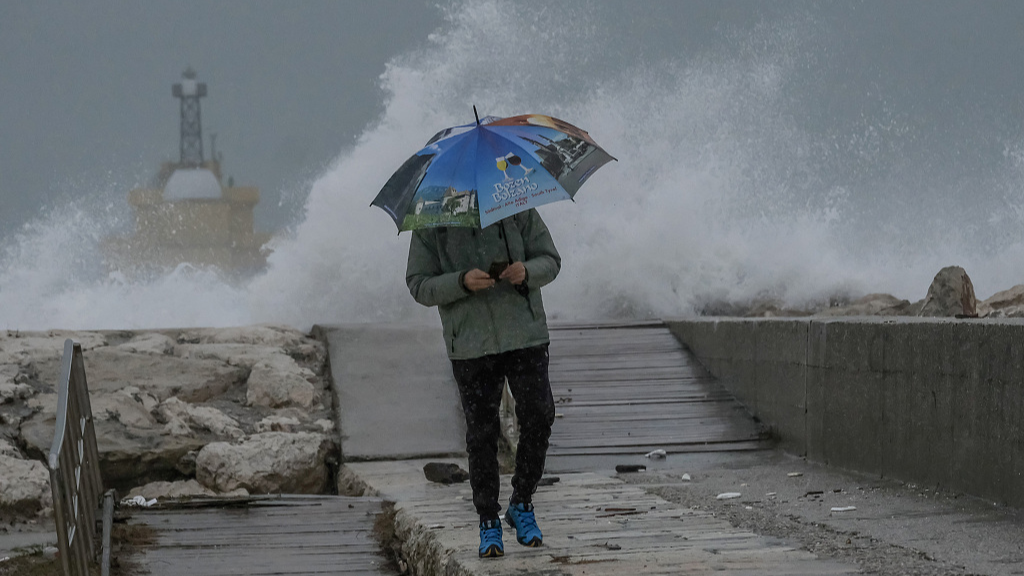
{"x": 86, "y": 107}
{"x": 86, "y": 102}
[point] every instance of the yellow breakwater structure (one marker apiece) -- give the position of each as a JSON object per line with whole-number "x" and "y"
{"x": 189, "y": 216}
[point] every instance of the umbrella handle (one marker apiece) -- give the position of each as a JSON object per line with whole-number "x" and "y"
{"x": 523, "y": 289}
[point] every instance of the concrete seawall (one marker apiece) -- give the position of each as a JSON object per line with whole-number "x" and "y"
{"x": 938, "y": 402}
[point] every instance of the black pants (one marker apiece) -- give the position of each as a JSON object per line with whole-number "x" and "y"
{"x": 481, "y": 381}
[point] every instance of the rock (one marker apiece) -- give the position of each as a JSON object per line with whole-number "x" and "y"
{"x": 187, "y": 463}
{"x": 9, "y": 372}
{"x": 1005, "y": 304}
{"x": 951, "y": 294}
{"x": 10, "y": 392}
{"x": 324, "y": 425}
{"x": 279, "y": 381}
{"x": 25, "y": 347}
{"x": 271, "y": 462}
{"x": 1012, "y": 297}
{"x": 197, "y": 380}
{"x": 175, "y": 412}
{"x": 122, "y": 408}
{"x": 871, "y": 305}
{"x": 177, "y": 427}
{"x": 149, "y": 343}
{"x": 148, "y": 401}
{"x": 223, "y": 340}
{"x": 179, "y": 489}
{"x": 624, "y": 468}
{"x": 277, "y": 424}
{"x": 128, "y": 455}
{"x": 24, "y": 485}
{"x": 8, "y": 449}
{"x": 444, "y": 473}
{"x": 242, "y": 355}
{"x": 274, "y": 336}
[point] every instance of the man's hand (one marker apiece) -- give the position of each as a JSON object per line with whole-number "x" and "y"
{"x": 515, "y": 273}
{"x": 477, "y": 279}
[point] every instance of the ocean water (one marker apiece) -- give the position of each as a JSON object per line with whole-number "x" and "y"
{"x": 746, "y": 170}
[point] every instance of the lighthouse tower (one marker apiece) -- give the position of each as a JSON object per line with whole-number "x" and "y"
{"x": 189, "y": 92}
{"x": 188, "y": 216}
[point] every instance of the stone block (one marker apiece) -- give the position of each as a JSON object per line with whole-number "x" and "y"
{"x": 781, "y": 341}
{"x": 782, "y": 403}
{"x": 814, "y": 420}
{"x": 852, "y": 420}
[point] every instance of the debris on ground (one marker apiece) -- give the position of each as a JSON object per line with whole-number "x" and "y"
{"x": 620, "y": 468}
{"x": 444, "y": 473}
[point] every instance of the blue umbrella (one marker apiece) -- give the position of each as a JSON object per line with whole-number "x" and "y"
{"x": 476, "y": 174}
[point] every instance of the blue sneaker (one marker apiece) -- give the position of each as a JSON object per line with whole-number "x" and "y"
{"x": 520, "y": 516}
{"x": 490, "y": 539}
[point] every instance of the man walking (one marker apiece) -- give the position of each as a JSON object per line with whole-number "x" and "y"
{"x": 494, "y": 329}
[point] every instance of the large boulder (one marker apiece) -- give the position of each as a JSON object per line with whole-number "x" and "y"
{"x": 273, "y": 336}
{"x": 26, "y": 347}
{"x": 24, "y": 485}
{"x": 272, "y": 462}
{"x": 163, "y": 376}
{"x": 871, "y": 305}
{"x": 121, "y": 407}
{"x": 175, "y": 411}
{"x": 149, "y": 343}
{"x": 1005, "y": 304}
{"x": 179, "y": 489}
{"x": 291, "y": 341}
{"x": 8, "y": 449}
{"x": 951, "y": 294}
{"x": 241, "y": 355}
{"x": 159, "y": 397}
{"x": 278, "y": 381}
{"x": 132, "y": 446}
{"x": 11, "y": 392}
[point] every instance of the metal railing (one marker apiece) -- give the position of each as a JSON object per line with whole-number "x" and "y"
{"x": 74, "y": 467}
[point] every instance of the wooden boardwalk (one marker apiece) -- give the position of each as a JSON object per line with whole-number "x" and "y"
{"x": 293, "y": 535}
{"x": 632, "y": 389}
{"x": 593, "y": 525}
{"x": 620, "y": 391}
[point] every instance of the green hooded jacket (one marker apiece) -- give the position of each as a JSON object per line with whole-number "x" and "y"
{"x": 497, "y": 319}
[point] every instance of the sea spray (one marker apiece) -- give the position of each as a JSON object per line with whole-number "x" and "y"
{"x": 725, "y": 190}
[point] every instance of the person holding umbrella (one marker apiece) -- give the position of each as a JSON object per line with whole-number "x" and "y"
{"x": 480, "y": 253}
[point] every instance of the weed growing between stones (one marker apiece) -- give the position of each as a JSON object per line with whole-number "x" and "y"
{"x": 385, "y": 535}
{"x": 30, "y": 561}
{"x": 127, "y": 541}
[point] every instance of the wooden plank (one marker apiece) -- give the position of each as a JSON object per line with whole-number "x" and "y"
{"x": 287, "y": 536}
{"x": 632, "y": 390}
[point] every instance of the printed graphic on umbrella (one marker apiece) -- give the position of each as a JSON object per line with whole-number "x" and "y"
{"x": 476, "y": 174}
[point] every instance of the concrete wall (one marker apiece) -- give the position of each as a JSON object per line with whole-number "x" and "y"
{"x": 939, "y": 402}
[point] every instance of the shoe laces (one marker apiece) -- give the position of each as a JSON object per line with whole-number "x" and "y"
{"x": 526, "y": 517}
{"x": 490, "y": 531}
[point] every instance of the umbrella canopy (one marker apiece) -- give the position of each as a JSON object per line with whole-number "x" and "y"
{"x": 476, "y": 174}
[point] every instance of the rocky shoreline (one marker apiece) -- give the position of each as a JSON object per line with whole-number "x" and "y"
{"x": 951, "y": 294}
{"x": 177, "y": 412}
{"x": 248, "y": 410}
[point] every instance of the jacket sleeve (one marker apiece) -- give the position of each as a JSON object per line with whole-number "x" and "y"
{"x": 542, "y": 259}
{"x": 428, "y": 283}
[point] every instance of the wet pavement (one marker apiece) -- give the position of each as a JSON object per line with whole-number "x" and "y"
{"x": 791, "y": 517}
